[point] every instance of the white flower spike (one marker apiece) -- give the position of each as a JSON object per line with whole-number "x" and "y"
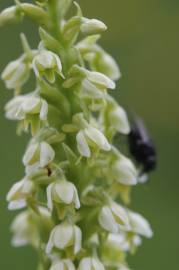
{"x": 73, "y": 122}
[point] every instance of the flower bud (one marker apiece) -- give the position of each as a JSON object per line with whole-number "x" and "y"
{"x": 100, "y": 80}
{"x": 139, "y": 225}
{"x": 124, "y": 172}
{"x": 107, "y": 65}
{"x": 16, "y": 74}
{"x": 71, "y": 29}
{"x": 18, "y": 194}
{"x": 92, "y": 26}
{"x": 113, "y": 217}
{"x": 62, "y": 192}
{"x": 118, "y": 119}
{"x": 63, "y": 236}
{"x": 35, "y": 13}
{"x": 41, "y": 153}
{"x": 10, "y": 15}
{"x": 98, "y": 59}
{"x": 114, "y": 249}
{"x": 47, "y": 63}
{"x": 89, "y": 263}
{"x": 91, "y": 136}
{"x": 65, "y": 264}
{"x": 95, "y": 84}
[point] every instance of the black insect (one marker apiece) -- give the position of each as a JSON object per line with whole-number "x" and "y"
{"x": 141, "y": 146}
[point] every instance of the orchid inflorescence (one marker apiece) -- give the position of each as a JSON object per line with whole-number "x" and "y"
{"x": 77, "y": 183}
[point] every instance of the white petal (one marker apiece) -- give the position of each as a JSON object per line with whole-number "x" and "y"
{"x": 58, "y": 62}
{"x": 125, "y": 172}
{"x": 65, "y": 191}
{"x": 107, "y": 221}
{"x": 97, "y": 137}
{"x": 30, "y": 154}
{"x": 44, "y": 110}
{"x": 82, "y": 145}
{"x": 92, "y": 26}
{"x": 121, "y": 215}
{"x": 110, "y": 67}
{"x": 47, "y": 154}
{"x": 85, "y": 264}
{"x": 77, "y": 239}
{"x": 140, "y": 225}
{"x": 63, "y": 234}
{"x": 101, "y": 79}
{"x": 31, "y": 105}
{"x": 119, "y": 120}
{"x": 97, "y": 265}
{"x": 16, "y": 205}
{"x": 58, "y": 266}
{"x": 69, "y": 264}
{"x": 14, "y": 190}
{"x": 10, "y": 68}
{"x": 49, "y": 197}
{"x": 76, "y": 198}
{"x": 91, "y": 90}
{"x": 50, "y": 243}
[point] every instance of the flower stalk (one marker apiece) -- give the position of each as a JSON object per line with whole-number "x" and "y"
{"x": 77, "y": 182}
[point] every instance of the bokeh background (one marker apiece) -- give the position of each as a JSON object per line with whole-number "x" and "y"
{"x": 143, "y": 36}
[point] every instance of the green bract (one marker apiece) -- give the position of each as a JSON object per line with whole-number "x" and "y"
{"x": 76, "y": 181}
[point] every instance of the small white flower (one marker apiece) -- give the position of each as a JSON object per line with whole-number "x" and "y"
{"x": 95, "y": 84}
{"x": 41, "y": 153}
{"x": 22, "y": 106}
{"x": 24, "y": 227}
{"x": 107, "y": 65}
{"x": 65, "y": 264}
{"x": 100, "y": 80}
{"x": 124, "y": 171}
{"x": 118, "y": 242}
{"x": 139, "y": 225}
{"x": 63, "y": 236}
{"x": 9, "y": 15}
{"x": 89, "y": 263}
{"x": 47, "y": 63}
{"x": 91, "y": 136}
{"x": 62, "y": 192}
{"x": 113, "y": 218}
{"x": 16, "y": 74}
{"x": 90, "y": 83}
{"x": 118, "y": 119}
{"x": 92, "y": 26}
{"x": 18, "y": 194}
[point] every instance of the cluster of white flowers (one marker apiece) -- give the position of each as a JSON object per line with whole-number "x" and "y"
{"x": 76, "y": 181}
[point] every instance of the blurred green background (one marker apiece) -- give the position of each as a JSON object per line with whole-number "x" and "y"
{"x": 143, "y": 37}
